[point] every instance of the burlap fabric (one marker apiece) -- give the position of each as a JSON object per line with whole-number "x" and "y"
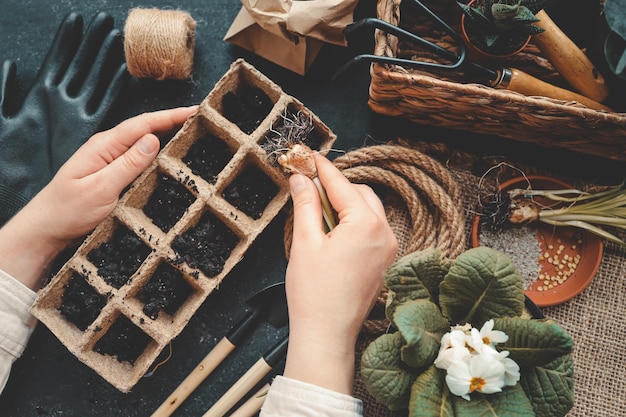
{"x": 594, "y": 318}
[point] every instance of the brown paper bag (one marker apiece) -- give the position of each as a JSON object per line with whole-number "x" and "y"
{"x": 290, "y": 33}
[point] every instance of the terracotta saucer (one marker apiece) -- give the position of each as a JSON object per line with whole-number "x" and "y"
{"x": 573, "y": 242}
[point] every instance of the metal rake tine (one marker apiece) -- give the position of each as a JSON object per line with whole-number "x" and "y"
{"x": 382, "y": 60}
{"x": 411, "y": 37}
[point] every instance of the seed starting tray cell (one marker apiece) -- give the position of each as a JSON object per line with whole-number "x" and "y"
{"x": 145, "y": 247}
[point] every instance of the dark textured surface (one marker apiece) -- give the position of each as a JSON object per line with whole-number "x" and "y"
{"x": 48, "y": 380}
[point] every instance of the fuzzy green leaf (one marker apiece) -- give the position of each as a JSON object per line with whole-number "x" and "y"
{"x": 550, "y": 388}
{"x": 386, "y": 378}
{"x": 481, "y": 284}
{"x": 511, "y": 402}
{"x": 501, "y": 11}
{"x": 415, "y": 276}
{"x": 615, "y": 14}
{"x": 534, "y": 342}
{"x": 421, "y": 324}
{"x": 430, "y": 396}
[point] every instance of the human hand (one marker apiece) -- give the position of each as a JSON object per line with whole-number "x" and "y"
{"x": 83, "y": 192}
{"x": 333, "y": 279}
{"x": 77, "y": 85}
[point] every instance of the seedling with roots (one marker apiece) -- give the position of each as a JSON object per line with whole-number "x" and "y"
{"x": 288, "y": 147}
{"x": 563, "y": 207}
{"x": 576, "y": 208}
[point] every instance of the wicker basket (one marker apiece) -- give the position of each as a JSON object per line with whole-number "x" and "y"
{"x": 444, "y": 100}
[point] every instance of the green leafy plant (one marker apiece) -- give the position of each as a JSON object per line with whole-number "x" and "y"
{"x": 615, "y": 45}
{"x": 501, "y": 26}
{"x": 429, "y": 296}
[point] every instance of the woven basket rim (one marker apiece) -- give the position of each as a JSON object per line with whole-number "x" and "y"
{"x": 385, "y": 47}
{"x": 400, "y": 74}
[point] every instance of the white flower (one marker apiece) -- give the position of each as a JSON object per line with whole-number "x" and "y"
{"x": 511, "y": 369}
{"x": 492, "y": 337}
{"x": 453, "y": 339}
{"x": 453, "y": 349}
{"x": 484, "y": 373}
{"x": 478, "y": 345}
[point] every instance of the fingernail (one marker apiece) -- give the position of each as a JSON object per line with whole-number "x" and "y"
{"x": 297, "y": 182}
{"x": 147, "y": 145}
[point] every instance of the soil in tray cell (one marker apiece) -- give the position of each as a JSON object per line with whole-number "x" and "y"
{"x": 251, "y": 192}
{"x": 81, "y": 303}
{"x": 206, "y": 246}
{"x": 119, "y": 258}
{"x": 168, "y": 202}
{"x": 207, "y": 157}
{"x": 247, "y": 107}
{"x": 167, "y": 290}
{"x": 124, "y": 340}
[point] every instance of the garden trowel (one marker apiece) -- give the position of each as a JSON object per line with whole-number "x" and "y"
{"x": 269, "y": 304}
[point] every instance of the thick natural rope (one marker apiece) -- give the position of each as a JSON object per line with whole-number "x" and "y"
{"x": 422, "y": 193}
{"x": 439, "y": 221}
{"x": 159, "y": 43}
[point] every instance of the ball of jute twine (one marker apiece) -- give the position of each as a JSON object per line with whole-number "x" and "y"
{"x": 422, "y": 203}
{"x": 159, "y": 44}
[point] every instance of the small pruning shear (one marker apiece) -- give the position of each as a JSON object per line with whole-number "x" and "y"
{"x": 504, "y": 78}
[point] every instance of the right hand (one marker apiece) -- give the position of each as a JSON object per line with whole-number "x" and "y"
{"x": 334, "y": 279}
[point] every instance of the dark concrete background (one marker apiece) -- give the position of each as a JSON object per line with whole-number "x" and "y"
{"x": 48, "y": 380}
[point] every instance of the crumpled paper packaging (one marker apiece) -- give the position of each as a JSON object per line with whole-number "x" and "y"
{"x": 290, "y": 33}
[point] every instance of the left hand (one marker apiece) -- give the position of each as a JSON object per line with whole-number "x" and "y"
{"x": 82, "y": 193}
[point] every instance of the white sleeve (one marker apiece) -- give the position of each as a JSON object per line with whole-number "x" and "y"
{"x": 16, "y": 322}
{"x": 289, "y": 397}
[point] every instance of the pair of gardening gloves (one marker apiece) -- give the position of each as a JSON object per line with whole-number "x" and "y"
{"x": 77, "y": 85}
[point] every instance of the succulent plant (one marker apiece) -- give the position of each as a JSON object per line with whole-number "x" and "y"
{"x": 496, "y": 25}
{"x": 615, "y": 46}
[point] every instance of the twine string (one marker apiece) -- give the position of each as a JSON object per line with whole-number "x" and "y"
{"x": 159, "y": 44}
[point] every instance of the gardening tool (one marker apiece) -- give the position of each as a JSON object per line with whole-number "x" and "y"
{"x": 253, "y": 404}
{"x": 505, "y": 78}
{"x": 252, "y": 377}
{"x": 269, "y": 304}
{"x": 569, "y": 60}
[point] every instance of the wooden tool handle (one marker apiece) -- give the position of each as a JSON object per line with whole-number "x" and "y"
{"x": 195, "y": 378}
{"x": 253, "y": 404}
{"x": 239, "y": 389}
{"x": 531, "y": 86}
{"x": 569, "y": 60}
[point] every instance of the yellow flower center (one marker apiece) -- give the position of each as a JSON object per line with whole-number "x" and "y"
{"x": 486, "y": 341}
{"x": 476, "y": 383}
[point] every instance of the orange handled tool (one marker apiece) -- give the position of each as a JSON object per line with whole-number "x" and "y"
{"x": 516, "y": 80}
{"x": 569, "y": 60}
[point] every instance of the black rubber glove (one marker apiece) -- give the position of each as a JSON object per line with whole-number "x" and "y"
{"x": 77, "y": 85}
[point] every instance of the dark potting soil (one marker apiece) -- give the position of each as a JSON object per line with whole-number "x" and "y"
{"x": 251, "y": 192}
{"x": 168, "y": 202}
{"x": 119, "y": 258}
{"x": 124, "y": 340}
{"x": 206, "y": 245}
{"x": 207, "y": 157}
{"x": 247, "y": 107}
{"x": 81, "y": 303}
{"x": 167, "y": 290}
